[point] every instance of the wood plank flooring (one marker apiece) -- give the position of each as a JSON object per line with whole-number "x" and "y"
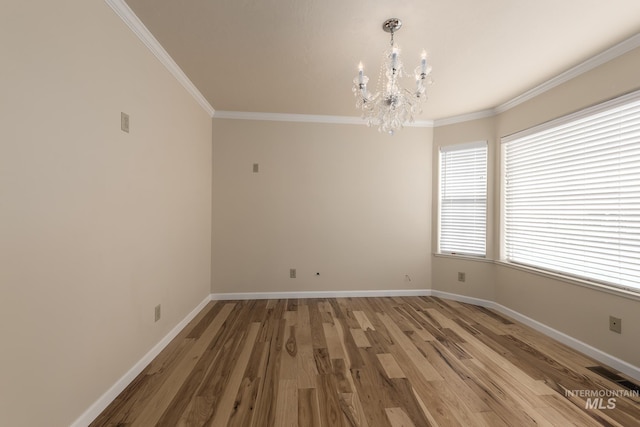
{"x": 370, "y": 362}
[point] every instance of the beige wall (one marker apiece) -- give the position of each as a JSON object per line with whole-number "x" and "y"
{"x": 341, "y": 200}
{"x": 575, "y": 310}
{"x": 578, "y": 311}
{"x": 96, "y": 226}
{"x": 479, "y": 282}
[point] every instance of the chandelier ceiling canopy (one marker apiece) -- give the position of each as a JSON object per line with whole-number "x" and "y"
{"x": 392, "y": 105}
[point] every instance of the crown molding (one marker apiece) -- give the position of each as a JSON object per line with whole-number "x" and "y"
{"x": 285, "y": 117}
{"x": 588, "y": 65}
{"x": 133, "y": 22}
{"x": 482, "y": 114}
{"x": 305, "y": 118}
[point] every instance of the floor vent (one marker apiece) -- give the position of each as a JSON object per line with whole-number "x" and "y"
{"x": 631, "y": 386}
{"x": 609, "y": 374}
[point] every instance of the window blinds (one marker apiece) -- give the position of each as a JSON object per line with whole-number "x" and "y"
{"x": 463, "y": 199}
{"x": 572, "y": 195}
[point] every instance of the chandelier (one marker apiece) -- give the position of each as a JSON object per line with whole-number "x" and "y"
{"x": 392, "y": 105}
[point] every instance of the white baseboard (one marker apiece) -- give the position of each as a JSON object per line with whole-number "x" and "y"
{"x": 618, "y": 364}
{"x": 612, "y": 361}
{"x": 320, "y": 294}
{"x": 103, "y": 401}
{"x": 99, "y": 405}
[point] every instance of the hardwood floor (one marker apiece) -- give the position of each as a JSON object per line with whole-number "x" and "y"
{"x": 388, "y": 362}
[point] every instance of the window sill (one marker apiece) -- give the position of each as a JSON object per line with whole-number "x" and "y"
{"x": 476, "y": 258}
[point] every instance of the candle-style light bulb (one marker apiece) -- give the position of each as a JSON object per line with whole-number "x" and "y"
{"x": 423, "y": 61}
{"x": 394, "y": 58}
{"x": 360, "y": 72}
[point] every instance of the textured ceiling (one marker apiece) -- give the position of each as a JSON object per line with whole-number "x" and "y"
{"x": 300, "y": 56}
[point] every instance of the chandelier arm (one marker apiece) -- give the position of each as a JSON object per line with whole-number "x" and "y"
{"x": 392, "y": 105}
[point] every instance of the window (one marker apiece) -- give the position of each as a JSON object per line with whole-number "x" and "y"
{"x": 463, "y": 199}
{"x": 572, "y": 194}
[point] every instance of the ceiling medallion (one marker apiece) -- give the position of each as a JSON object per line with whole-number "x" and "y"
{"x": 392, "y": 106}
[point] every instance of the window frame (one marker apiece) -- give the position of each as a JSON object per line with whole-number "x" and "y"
{"x": 460, "y": 147}
{"x": 610, "y": 104}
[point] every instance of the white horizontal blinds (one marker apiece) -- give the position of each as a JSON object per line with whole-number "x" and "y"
{"x": 463, "y": 198}
{"x": 572, "y": 196}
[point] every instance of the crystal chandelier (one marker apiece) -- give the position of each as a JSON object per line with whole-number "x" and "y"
{"x": 391, "y": 106}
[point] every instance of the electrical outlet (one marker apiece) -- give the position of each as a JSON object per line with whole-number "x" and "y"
{"x": 615, "y": 324}
{"x": 158, "y": 313}
{"x": 292, "y": 273}
{"x": 462, "y": 277}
